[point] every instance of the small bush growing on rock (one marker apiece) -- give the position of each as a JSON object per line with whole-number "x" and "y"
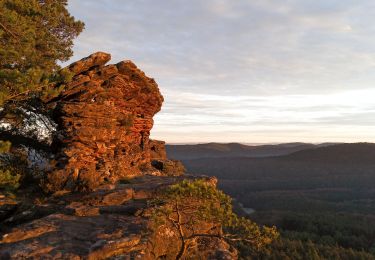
{"x": 5, "y": 146}
{"x": 14, "y": 167}
{"x": 9, "y": 180}
{"x": 191, "y": 203}
{"x": 12, "y": 170}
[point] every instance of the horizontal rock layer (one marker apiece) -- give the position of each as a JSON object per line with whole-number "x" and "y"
{"x": 104, "y": 119}
{"x": 112, "y": 222}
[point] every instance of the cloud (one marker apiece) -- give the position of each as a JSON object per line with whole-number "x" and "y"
{"x": 243, "y": 66}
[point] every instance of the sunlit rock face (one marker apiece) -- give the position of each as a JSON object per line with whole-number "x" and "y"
{"x": 157, "y": 150}
{"x": 104, "y": 118}
{"x": 113, "y": 222}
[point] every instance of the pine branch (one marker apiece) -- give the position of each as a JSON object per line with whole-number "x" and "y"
{"x": 17, "y": 95}
{"x": 20, "y": 140}
{"x": 8, "y": 31}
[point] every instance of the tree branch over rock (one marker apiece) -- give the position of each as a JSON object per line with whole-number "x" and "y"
{"x": 192, "y": 203}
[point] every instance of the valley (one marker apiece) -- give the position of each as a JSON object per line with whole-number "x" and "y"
{"x": 321, "y": 194}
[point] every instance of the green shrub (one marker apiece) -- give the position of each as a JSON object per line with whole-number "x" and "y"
{"x": 209, "y": 205}
{"x": 9, "y": 180}
{"x": 13, "y": 169}
{"x": 5, "y": 146}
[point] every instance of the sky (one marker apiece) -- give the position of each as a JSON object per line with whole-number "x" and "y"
{"x": 250, "y": 71}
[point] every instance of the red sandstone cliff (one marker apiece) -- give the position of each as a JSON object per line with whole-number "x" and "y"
{"x": 104, "y": 120}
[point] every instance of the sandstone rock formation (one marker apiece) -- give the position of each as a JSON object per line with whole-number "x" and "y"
{"x": 111, "y": 223}
{"x": 157, "y": 150}
{"x": 102, "y": 147}
{"x": 160, "y": 162}
{"x": 104, "y": 119}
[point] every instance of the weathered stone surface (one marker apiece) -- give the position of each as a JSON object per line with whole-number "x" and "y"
{"x": 161, "y": 163}
{"x": 157, "y": 150}
{"x": 86, "y": 226}
{"x": 104, "y": 120}
{"x": 96, "y": 59}
{"x": 7, "y": 206}
{"x": 169, "y": 167}
{"x": 80, "y": 209}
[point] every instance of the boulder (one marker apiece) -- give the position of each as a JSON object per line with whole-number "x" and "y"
{"x": 157, "y": 150}
{"x": 169, "y": 167}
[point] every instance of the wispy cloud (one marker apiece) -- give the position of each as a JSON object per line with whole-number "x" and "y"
{"x": 250, "y": 71}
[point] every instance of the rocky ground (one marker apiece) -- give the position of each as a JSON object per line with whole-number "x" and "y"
{"x": 112, "y": 222}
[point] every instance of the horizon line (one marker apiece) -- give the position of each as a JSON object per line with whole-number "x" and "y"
{"x": 266, "y": 143}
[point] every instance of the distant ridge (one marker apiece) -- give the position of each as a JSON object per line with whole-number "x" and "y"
{"x": 217, "y": 150}
{"x": 351, "y": 159}
{"x": 339, "y": 153}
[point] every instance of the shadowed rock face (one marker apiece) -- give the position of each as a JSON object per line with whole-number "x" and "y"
{"x": 104, "y": 120}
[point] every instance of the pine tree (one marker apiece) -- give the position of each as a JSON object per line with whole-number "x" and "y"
{"x": 34, "y": 36}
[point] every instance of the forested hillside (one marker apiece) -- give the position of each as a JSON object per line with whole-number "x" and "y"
{"x": 215, "y": 150}
{"x": 321, "y": 199}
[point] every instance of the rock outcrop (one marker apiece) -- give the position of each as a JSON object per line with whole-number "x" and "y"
{"x": 160, "y": 162}
{"x": 104, "y": 119}
{"x": 112, "y": 221}
{"x": 103, "y": 198}
{"x": 157, "y": 150}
